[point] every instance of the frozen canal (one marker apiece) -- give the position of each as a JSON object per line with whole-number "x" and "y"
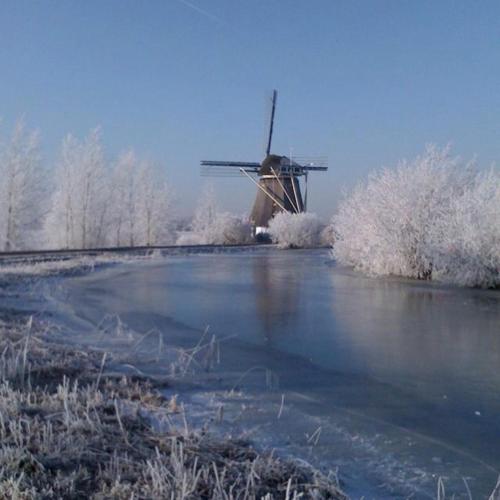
{"x": 395, "y": 382}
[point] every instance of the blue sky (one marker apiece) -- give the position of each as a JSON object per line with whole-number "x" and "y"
{"x": 364, "y": 82}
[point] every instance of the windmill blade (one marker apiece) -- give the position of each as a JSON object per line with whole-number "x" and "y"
{"x": 312, "y": 163}
{"x": 221, "y": 174}
{"x": 313, "y": 168}
{"x": 271, "y": 123}
{"x": 217, "y": 171}
{"x": 237, "y": 164}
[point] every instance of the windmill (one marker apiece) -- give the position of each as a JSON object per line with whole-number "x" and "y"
{"x": 278, "y": 179}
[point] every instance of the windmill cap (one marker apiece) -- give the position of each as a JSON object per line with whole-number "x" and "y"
{"x": 275, "y": 162}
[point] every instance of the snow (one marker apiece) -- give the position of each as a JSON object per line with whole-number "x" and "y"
{"x": 12, "y": 270}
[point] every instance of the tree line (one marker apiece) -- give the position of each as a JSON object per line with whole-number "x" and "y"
{"x": 84, "y": 201}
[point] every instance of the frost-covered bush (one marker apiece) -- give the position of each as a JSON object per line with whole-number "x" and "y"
{"x": 187, "y": 238}
{"x": 429, "y": 218}
{"x": 230, "y": 229}
{"x": 211, "y": 227}
{"x": 223, "y": 229}
{"x": 327, "y": 236}
{"x": 465, "y": 245}
{"x": 291, "y": 230}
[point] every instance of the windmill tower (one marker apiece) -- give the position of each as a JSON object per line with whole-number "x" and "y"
{"x": 278, "y": 179}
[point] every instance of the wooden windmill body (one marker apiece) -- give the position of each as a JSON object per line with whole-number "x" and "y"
{"x": 277, "y": 180}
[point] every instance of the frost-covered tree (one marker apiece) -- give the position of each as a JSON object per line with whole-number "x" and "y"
{"x": 79, "y": 210}
{"x": 21, "y": 189}
{"x": 124, "y": 212}
{"x": 154, "y": 209}
{"x": 291, "y": 230}
{"x": 61, "y": 221}
{"x": 94, "y": 206}
{"x": 205, "y": 214}
{"x": 408, "y": 221}
{"x": 93, "y": 192}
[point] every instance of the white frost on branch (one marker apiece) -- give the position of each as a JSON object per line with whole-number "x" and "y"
{"x": 229, "y": 229}
{"x": 289, "y": 230}
{"x": 95, "y": 206}
{"x": 78, "y": 214}
{"x": 21, "y": 190}
{"x": 154, "y": 209}
{"x": 432, "y": 217}
{"x": 125, "y": 201}
{"x": 465, "y": 245}
{"x": 205, "y": 215}
{"x": 212, "y": 227}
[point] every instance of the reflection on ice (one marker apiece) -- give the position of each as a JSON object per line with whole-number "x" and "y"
{"x": 276, "y": 296}
{"x": 419, "y": 329}
{"x": 401, "y": 376}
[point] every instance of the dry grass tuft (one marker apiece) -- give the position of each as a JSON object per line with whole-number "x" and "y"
{"x": 68, "y": 430}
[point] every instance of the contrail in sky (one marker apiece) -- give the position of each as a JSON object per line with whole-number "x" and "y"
{"x": 201, "y": 11}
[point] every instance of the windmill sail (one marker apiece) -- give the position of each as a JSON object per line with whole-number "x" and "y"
{"x": 278, "y": 183}
{"x": 271, "y": 123}
{"x": 239, "y": 164}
